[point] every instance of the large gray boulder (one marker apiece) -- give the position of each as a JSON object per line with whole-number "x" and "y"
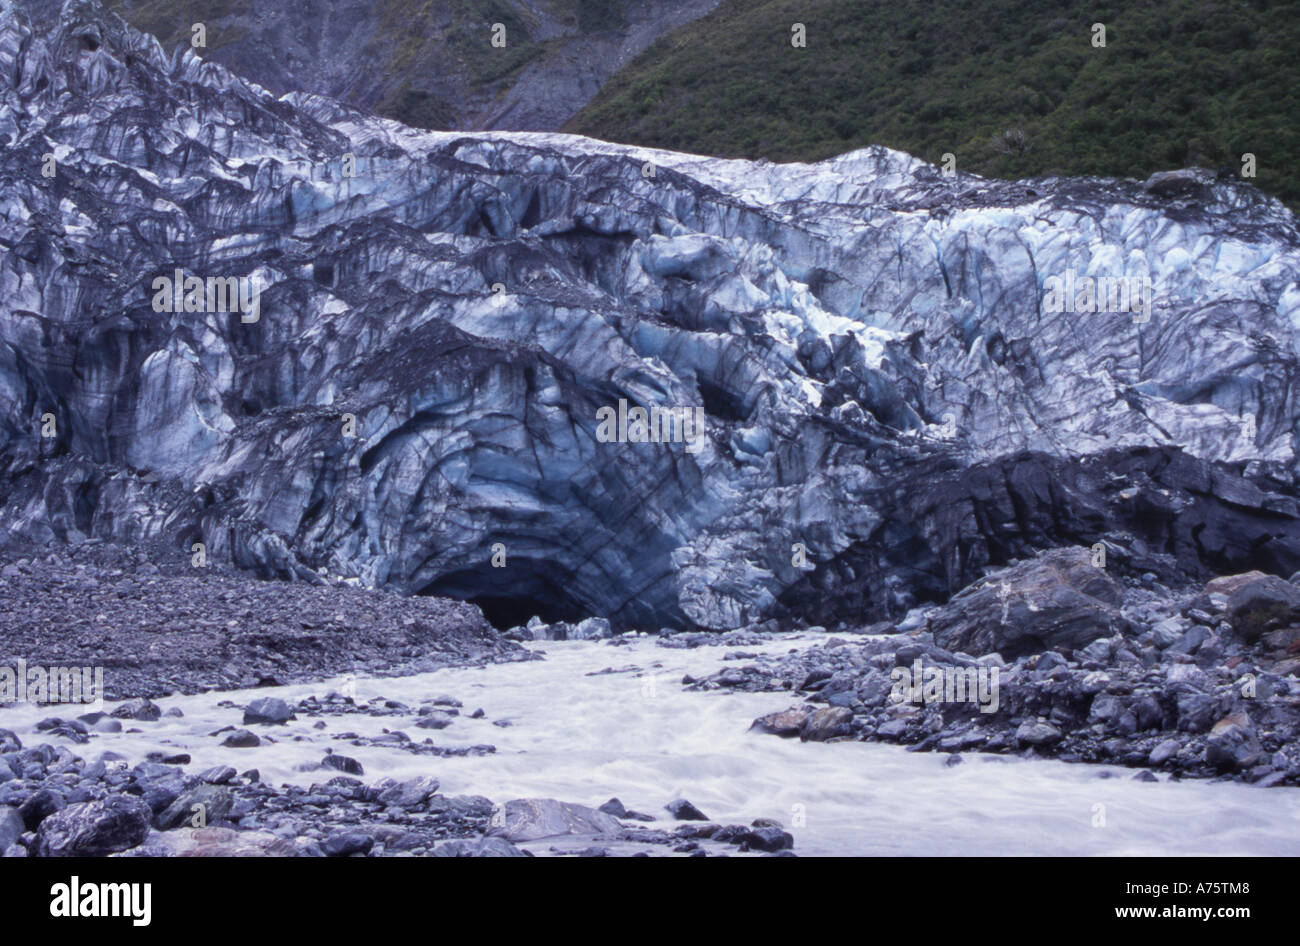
{"x": 1262, "y": 604}
{"x": 1057, "y": 601}
{"x": 269, "y": 710}
{"x": 410, "y": 793}
{"x": 94, "y": 829}
{"x": 530, "y": 819}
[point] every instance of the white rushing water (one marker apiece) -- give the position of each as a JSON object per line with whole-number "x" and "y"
{"x": 584, "y": 737}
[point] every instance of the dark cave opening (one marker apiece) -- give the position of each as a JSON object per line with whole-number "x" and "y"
{"x": 510, "y": 595}
{"x": 504, "y": 613}
{"x": 721, "y": 403}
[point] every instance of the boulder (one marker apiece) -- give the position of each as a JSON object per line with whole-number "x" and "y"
{"x": 218, "y": 775}
{"x": 242, "y": 739}
{"x": 613, "y": 807}
{"x": 591, "y": 629}
{"x": 828, "y": 723}
{"x": 1056, "y": 601}
{"x": 268, "y": 710}
{"x": 142, "y": 710}
{"x": 1262, "y": 604}
{"x": 528, "y": 819}
{"x": 785, "y": 723}
{"x": 1232, "y": 744}
{"x": 94, "y": 829}
{"x": 410, "y": 793}
{"x": 436, "y": 719}
{"x": 770, "y": 839}
{"x": 342, "y": 763}
{"x": 1037, "y": 733}
{"x": 683, "y": 810}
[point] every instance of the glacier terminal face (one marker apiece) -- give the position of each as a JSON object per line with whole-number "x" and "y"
{"x": 316, "y": 340}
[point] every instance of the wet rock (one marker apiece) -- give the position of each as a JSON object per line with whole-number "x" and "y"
{"x": 159, "y": 793}
{"x": 342, "y": 763}
{"x": 613, "y": 807}
{"x": 529, "y": 819}
{"x": 268, "y": 710}
{"x": 434, "y": 720}
{"x": 218, "y": 775}
{"x": 765, "y": 839}
{"x": 242, "y": 739}
{"x": 142, "y": 710}
{"x": 829, "y": 723}
{"x": 786, "y": 723}
{"x": 94, "y": 829}
{"x": 683, "y": 810}
{"x": 410, "y": 793}
{"x": 174, "y": 758}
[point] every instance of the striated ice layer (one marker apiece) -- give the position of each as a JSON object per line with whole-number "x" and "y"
{"x": 890, "y": 403}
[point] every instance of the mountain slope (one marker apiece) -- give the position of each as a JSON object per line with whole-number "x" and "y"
{"x": 1179, "y": 83}
{"x": 428, "y": 63}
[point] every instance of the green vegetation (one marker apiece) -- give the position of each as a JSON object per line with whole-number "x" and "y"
{"x": 1012, "y": 88}
{"x": 418, "y": 108}
{"x": 172, "y": 26}
{"x": 596, "y": 16}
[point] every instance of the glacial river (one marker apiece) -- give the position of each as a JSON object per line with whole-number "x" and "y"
{"x": 583, "y": 736}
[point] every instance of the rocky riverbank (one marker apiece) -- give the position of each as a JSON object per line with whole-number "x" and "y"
{"x": 158, "y": 625}
{"x": 53, "y": 803}
{"x": 1056, "y": 658}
